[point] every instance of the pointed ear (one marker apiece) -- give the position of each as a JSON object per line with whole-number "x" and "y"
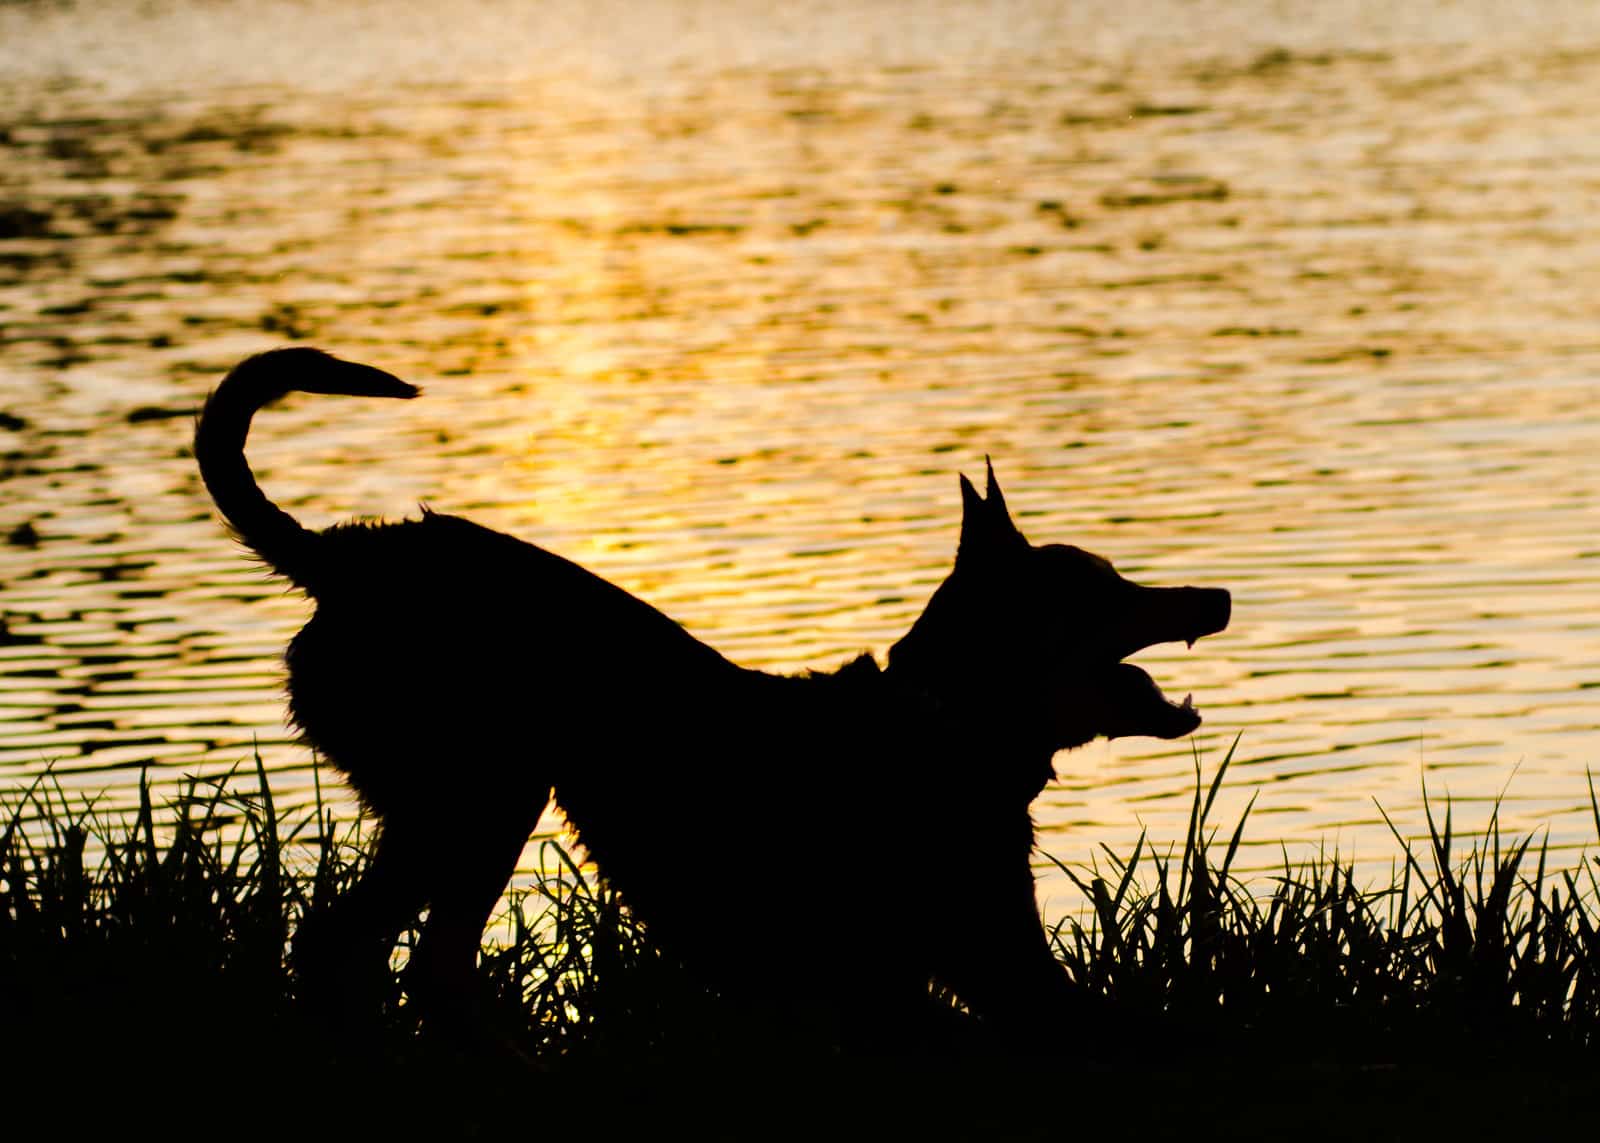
{"x": 1000, "y": 522}
{"x": 986, "y": 526}
{"x": 973, "y": 519}
{"x": 992, "y": 495}
{"x": 971, "y": 502}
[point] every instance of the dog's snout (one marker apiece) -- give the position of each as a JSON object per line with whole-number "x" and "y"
{"x": 1204, "y": 611}
{"x": 1215, "y": 609}
{"x": 1173, "y": 614}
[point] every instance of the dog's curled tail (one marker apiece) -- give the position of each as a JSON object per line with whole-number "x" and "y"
{"x": 219, "y": 437}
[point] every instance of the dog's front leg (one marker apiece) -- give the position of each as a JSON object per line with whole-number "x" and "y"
{"x": 997, "y": 959}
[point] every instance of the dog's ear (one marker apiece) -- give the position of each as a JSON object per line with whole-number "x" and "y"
{"x": 971, "y": 504}
{"x": 991, "y": 489}
{"x": 1002, "y": 530}
{"x": 995, "y": 502}
{"x": 973, "y": 521}
{"x": 986, "y": 525}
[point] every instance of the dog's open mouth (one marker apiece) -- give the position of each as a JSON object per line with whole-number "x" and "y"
{"x": 1133, "y": 703}
{"x": 1136, "y": 706}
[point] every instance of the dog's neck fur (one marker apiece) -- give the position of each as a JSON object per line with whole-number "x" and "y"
{"x": 978, "y": 715}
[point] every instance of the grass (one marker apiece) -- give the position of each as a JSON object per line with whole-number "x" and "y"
{"x": 152, "y": 947}
{"x": 1490, "y": 942}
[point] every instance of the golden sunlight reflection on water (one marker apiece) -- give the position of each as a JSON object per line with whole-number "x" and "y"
{"x": 1304, "y": 311}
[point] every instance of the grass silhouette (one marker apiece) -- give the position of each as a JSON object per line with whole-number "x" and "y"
{"x": 159, "y": 940}
{"x": 1486, "y": 942}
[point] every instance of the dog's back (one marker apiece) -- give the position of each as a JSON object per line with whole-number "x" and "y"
{"x": 437, "y": 637}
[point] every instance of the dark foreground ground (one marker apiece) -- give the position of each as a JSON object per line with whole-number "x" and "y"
{"x": 146, "y": 987}
{"x": 217, "y": 1074}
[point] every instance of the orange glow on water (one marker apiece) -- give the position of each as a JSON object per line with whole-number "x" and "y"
{"x": 1300, "y": 311}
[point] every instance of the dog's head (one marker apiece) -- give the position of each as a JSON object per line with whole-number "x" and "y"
{"x": 1038, "y": 635}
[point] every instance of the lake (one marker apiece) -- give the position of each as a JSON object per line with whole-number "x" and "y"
{"x": 1299, "y": 300}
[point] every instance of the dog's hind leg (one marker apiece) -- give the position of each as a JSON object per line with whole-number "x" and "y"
{"x": 341, "y": 953}
{"x": 468, "y": 871}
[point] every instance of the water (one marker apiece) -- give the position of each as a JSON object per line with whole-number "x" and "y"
{"x": 1293, "y": 300}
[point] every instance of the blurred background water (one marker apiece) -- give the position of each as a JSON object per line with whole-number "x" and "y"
{"x": 717, "y": 298}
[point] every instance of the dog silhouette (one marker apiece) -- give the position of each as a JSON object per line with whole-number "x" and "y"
{"x": 866, "y": 831}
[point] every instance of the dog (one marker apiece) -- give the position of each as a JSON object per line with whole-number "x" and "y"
{"x": 458, "y": 677}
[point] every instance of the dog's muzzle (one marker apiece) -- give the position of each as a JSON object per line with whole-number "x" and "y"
{"x": 1134, "y": 704}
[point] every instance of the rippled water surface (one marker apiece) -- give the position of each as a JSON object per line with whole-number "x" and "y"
{"x": 1297, "y": 301}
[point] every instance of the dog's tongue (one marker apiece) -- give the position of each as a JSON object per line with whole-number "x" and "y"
{"x": 1136, "y": 706}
